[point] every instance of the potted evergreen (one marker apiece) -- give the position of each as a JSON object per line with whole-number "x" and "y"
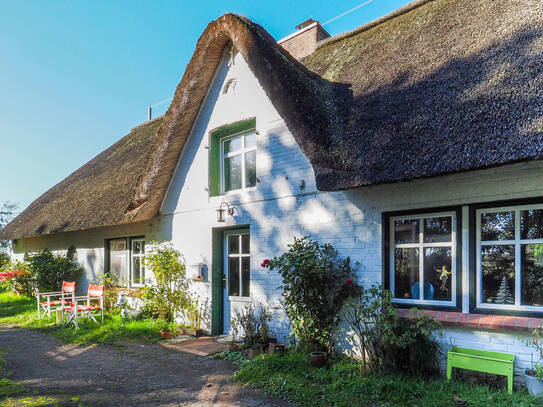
{"x": 533, "y": 377}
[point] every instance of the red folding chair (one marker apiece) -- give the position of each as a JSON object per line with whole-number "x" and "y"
{"x": 75, "y": 310}
{"x": 52, "y": 301}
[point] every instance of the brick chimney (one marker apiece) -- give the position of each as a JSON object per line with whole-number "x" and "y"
{"x": 302, "y": 43}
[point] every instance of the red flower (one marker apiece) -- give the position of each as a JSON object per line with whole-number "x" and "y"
{"x": 349, "y": 281}
{"x": 198, "y": 277}
{"x": 265, "y": 263}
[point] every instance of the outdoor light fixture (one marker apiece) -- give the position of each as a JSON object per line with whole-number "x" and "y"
{"x": 220, "y": 212}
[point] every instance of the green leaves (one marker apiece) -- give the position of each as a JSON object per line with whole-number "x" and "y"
{"x": 316, "y": 284}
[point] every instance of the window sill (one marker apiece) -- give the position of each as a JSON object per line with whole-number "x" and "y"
{"x": 481, "y": 321}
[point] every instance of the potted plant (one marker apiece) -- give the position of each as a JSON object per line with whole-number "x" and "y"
{"x": 164, "y": 328}
{"x": 533, "y": 377}
{"x": 194, "y": 318}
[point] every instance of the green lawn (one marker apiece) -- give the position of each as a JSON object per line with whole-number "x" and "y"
{"x": 21, "y": 310}
{"x": 291, "y": 378}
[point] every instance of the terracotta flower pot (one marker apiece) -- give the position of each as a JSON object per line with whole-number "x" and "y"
{"x": 253, "y": 353}
{"x": 166, "y": 334}
{"x": 317, "y": 359}
{"x": 232, "y": 346}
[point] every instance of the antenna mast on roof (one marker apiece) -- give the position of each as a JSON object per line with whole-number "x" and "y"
{"x": 150, "y": 108}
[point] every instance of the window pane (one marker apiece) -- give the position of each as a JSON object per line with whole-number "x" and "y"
{"x": 498, "y": 226}
{"x": 245, "y": 244}
{"x": 233, "y": 244}
{"x": 250, "y": 169}
{"x": 406, "y": 273}
{"x": 137, "y": 271}
{"x": 531, "y": 224}
{"x": 406, "y": 231}
{"x": 232, "y": 173}
{"x": 498, "y": 269}
{"x": 234, "y": 144}
{"x": 233, "y": 276}
{"x": 118, "y": 264}
{"x": 138, "y": 247}
{"x": 438, "y": 229}
{"x": 532, "y": 274}
{"x": 250, "y": 140}
{"x": 245, "y": 276}
{"x": 437, "y": 273}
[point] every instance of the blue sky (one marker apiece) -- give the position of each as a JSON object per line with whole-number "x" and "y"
{"x": 75, "y": 76}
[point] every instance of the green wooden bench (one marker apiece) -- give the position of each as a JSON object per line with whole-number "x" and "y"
{"x": 482, "y": 361}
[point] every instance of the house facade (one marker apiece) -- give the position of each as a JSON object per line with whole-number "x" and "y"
{"x": 412, "y": 144}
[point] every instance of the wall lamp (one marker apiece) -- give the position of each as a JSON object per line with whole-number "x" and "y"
{"x": 221, "y": 211}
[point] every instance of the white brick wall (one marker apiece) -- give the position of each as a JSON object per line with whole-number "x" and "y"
{"x": 277, "y": 210}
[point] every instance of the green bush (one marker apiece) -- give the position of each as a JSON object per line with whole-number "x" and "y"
{"x": 253, "y": 325}
{"x": 167, "y": 294}
{"x": 391, "y": 344}
{"x": 316, "y": 284}
{"x": 49, "y": 270}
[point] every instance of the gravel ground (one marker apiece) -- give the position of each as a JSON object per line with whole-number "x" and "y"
{"x": 131, "y": 375}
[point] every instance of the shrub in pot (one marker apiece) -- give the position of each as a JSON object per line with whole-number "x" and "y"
{"x": 533, "y": 377}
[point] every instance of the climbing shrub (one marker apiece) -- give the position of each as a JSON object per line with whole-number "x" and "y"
{"x": 167, "y": 294}
{"x": 316, "y": 284}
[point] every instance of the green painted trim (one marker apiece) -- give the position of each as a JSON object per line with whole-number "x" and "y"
{"x": 214, "y": 149}
{"x": 217, "y": 300}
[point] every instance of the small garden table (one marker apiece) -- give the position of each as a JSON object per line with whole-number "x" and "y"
{"x": 482, "y": 361}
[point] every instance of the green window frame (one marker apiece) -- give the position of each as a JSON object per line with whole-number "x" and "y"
{"x": 223, "y": 152}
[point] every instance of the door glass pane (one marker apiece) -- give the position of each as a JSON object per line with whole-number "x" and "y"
{"x": 234, "y": 144}
{"x": 250, "y": 169}
{"x": 438, "y": 229}
{"x": 406, "y": 231}
{"x": 437, "y": 273}
{"x": 406, "y": 273}
{"x": 233, "y": 244}
{"x": 498, "y": 226}
{"x": 250, "y": 140}
{"x": 245, "y": 276}
{"x": 118, "y": 264}
{"x": 233, "y": 276}
{"x": 531, "y": 224}
{"x": 532, "y": 274}
{"x": 498, "y": 274}
{"x": 232, "y": 173}
{"x": 245, "y": 244}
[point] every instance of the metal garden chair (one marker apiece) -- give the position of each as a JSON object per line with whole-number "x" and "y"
{"x": 81, "y": 307}
{"x": 53, "y": 301}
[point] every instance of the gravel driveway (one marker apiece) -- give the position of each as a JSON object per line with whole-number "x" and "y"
{"x": 131, "y": 375}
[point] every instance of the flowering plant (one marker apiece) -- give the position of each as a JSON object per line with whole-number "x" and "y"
{"x": 316, "y": 284}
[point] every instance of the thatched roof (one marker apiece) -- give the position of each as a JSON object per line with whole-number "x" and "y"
{"x": 437, "y": 87}
{"x": 95, "y": 195}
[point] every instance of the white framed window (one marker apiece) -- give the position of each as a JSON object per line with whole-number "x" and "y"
{"x": 137, "y": 268}
{"x": 125, "y": 260}
{"x": 423, "y": 249}
{"x": 238, "y": 264}
{"x": 238, "y": 162}
{"x": 509, "y": 258}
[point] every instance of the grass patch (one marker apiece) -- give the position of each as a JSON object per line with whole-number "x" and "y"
{"x": 22, "y": 311}
{"x": 291, "y": 378}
